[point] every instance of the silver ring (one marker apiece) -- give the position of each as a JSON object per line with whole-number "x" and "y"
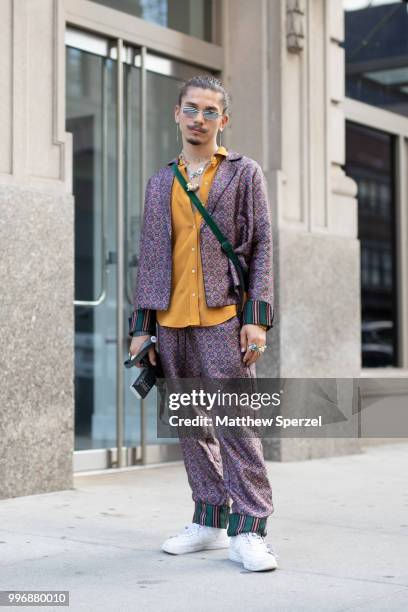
{"x": 256, "y": 348}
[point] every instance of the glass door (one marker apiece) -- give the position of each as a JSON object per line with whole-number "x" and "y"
{"x": 113, "y": 155}
{"x": 91, "y": 108}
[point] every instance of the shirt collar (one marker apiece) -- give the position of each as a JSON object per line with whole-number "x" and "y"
{"x": 220, "y": 151}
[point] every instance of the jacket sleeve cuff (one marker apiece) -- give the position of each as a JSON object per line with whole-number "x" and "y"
{"x": 143, "y": 319}
{"x": 257, "y": 312}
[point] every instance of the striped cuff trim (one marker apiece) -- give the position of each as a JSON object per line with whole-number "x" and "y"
{"x": 210, "y": 515}
{"x": 257, "y": 312}
{"x": 143, "y": 319}
{"x": 243, "y": 523}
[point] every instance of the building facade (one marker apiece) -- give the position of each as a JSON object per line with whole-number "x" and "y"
{"x": 87, "y": 116}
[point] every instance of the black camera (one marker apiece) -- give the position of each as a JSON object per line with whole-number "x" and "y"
{"x": 149, "y": 373}
{"x": 142, "y": 385}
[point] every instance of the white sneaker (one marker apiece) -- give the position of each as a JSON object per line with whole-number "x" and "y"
{"x": 196, "y": 537}
{"x": 252, "y": 550}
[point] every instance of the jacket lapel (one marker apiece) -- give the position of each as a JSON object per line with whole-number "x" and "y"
{"x": 222, "y": 179}
{"x": 165, "y": 194}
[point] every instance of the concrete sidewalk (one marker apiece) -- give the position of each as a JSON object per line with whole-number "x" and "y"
{"x": 340, "y": 528}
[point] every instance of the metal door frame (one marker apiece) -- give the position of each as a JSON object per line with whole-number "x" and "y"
{"x": 101, "y": 45}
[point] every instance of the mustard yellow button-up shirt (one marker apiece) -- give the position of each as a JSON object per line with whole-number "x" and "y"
{"x": 187, "y": 301}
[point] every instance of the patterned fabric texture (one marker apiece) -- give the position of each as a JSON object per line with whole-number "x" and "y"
{"x": 239, "y": 205}
{"x": 220, "y": 468}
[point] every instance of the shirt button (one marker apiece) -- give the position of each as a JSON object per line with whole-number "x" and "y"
{"x": 193, "y": 294}
{"x": 193, "y": 270}
{"x": 193, "y": 248}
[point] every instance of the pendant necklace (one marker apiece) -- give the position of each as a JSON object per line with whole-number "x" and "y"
{"x": 192, "y": 186}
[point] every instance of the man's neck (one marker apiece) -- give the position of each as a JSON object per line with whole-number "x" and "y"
{"x": 195, "y": 152}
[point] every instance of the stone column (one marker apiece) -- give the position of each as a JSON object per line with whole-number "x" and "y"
{"x": 285, "y": 72}
{"x": 37, "y": 252}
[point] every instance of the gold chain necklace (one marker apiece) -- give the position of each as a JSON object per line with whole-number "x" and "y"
{"x": 196, "y": 173}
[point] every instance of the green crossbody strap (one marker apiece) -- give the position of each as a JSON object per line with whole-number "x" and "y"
{"x": 225, "y": 244}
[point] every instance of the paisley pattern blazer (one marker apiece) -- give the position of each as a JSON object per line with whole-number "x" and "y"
{"x": 238, "y": 202}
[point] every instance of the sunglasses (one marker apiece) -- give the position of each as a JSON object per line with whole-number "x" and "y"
{"x": 192, "y": 111}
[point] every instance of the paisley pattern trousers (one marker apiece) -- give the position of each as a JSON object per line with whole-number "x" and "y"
{"x": 220, "y": 469}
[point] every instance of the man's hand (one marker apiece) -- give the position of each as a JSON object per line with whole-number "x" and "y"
{"x": 251, "y": 334}
{"x": 136, "y": 345}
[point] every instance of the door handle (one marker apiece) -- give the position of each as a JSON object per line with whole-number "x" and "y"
{"x": 112, "y": 258}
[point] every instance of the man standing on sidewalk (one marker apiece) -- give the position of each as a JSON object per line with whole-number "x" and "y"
{"x": 187, "y": 287}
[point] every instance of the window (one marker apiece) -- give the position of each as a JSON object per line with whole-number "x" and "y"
{"x": 370, "y": 162}
{"x": 192, "y": 17}
{"x": 376, "y": 45}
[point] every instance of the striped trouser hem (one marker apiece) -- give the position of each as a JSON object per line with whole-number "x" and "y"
{"x": 241, "y": 523}
{"x": 211, "y": 515}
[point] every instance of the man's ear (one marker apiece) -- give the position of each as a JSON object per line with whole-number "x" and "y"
{"x": 224, "y": 120}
